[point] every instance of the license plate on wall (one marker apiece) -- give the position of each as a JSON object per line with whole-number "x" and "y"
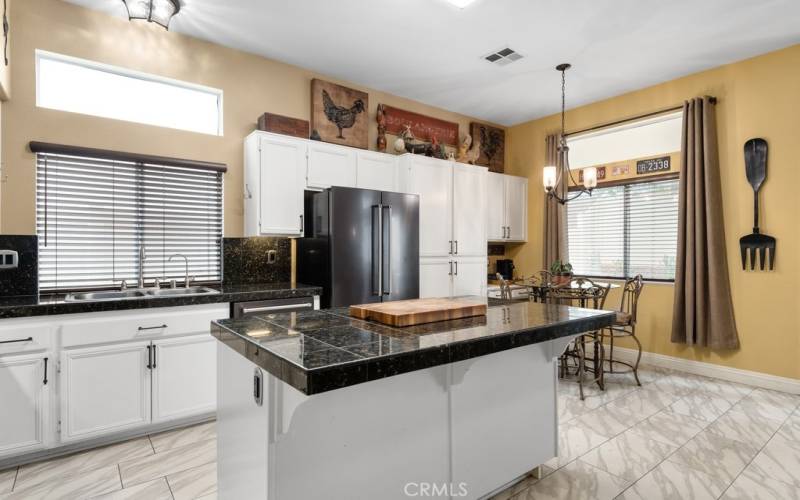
{"x": 653, "y": 165}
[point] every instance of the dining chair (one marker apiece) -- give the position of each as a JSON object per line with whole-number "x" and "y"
{"x": 625, "y": 326}
{"x": 583, "y": 292}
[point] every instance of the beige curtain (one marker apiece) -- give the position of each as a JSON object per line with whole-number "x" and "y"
{"x": 703, "y": 310}
{"x": 554, "y": 239}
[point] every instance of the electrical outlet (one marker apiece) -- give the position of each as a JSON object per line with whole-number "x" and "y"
{"x": 9, "y": 259}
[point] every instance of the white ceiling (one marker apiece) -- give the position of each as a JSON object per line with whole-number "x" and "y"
{"x": 430, "y": 51}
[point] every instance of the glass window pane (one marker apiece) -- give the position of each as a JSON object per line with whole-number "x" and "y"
{"x": 595, "y": 227}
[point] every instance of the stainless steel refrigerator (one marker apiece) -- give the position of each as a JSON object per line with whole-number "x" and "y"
{"x": 361, "y": 246}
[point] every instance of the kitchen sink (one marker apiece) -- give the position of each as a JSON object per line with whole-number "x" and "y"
{"x": 147, "y": 293}
{"x": 181, "y": 292}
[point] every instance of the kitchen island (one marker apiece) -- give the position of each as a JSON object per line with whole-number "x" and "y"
{"x": 318, "y": 405}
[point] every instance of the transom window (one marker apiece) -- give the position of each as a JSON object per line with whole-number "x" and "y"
{"x": 95, "y": 212}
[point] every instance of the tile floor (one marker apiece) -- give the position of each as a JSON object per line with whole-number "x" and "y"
{"x": 679, "y": 436}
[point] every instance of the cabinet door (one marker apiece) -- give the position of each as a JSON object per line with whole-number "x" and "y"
{"x": 376, "y": 171}
{"x": 469, "y": 210}
{"x": 330, "y": 165}
{"x": 184, "y": 377}
{"x": 432, "y": 180}
{"x": 104, "y": 389}
{"x": 469, "y": 277}
{"x": 496, "y": 207}
{"x": 281, "y": 186}
{"x": 517, "y": 207}
{"x": 435, "y": 278}
{"x": 23, "y": 397}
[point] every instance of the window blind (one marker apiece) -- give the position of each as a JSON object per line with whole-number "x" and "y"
{"x": 94, "y": 213}
{"x": 625, "y": 230}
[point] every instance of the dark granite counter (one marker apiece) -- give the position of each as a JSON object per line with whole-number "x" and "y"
{"x": 318, "y": 351}
{"x": 44, "y": 305}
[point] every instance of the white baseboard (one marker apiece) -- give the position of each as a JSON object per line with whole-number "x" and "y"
{"x": 756, "y": 379}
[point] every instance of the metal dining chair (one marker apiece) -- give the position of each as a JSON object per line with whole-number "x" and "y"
{"x": 625, "y": 326}
{"x": 583, "y": 292}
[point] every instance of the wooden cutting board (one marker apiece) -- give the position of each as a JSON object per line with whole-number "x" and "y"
{"x": 418, "y": 311}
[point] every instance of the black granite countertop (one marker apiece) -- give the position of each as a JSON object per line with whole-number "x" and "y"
{"x": 44, "y": 305}
{"x": 318, "y": 351}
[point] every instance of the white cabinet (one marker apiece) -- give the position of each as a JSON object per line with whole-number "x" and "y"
{"x": 184, "y": 377}
{"x": 469, "y": 209}
{"x": 24, "y": 389}
{"x": 432, "y": 180}
{"x": 330, "y": 165}
{"x": 275, "y": 168}
{"x": 435, "y": 277}
{"x": 469, "y": 276}
{"x": 507, "y": 213}
{"x": 376, "y": 171}
{"x": 104, "y": 389}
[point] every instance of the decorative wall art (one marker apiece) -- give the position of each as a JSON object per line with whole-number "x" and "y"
{"x": 339, "y": 114}
{"x": 424, "y": 128}
{"x": 620, "y": 170}
{"x": 285, "y": 125}
{"x": 492, "y": 142}
{"x": 380, "y": 117}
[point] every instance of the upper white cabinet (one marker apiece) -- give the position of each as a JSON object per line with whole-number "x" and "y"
{"x": 469, "y": 209}
{"x": 274, "y": 181}
{"x": 507, "y": 213}
{"x": 24, "y": 387}
{"x": 432, "y": 180}
{"x": 376, "y": 171}
{"x": 330, "y": 165}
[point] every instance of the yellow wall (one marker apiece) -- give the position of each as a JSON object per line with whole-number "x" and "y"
{"x": 758, "y": 97}
{"x": 251, "y": 85}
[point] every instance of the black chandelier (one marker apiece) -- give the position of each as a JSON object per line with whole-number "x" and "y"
{"x": 552, "y": 175}
{"x": 153, "y": 11}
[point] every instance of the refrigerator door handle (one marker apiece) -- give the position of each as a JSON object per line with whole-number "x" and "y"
{"x": 377, "y": 251}
{"x": 386, "y": 250}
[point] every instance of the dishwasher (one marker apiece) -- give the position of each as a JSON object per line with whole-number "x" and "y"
{"x": 298, "y": 304}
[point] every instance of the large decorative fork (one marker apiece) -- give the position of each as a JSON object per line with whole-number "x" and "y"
{"x": 755, "y": 162}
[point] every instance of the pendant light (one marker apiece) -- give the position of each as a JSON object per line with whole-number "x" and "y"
{"x": 552, "y": 175}
{"x": 153, "y": 11}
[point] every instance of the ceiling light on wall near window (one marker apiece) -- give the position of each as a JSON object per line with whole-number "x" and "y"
{"x": 154, "y": 11}
{"x": 461, "y": 3}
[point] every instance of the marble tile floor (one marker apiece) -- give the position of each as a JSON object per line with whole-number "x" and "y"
{"x": 679, "y": 436}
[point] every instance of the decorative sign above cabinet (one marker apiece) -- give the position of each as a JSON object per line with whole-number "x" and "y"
{"x": 339, "y": 114}
{"x": 492, "y": 142}
{"x": 424, "y": 128}
{"x": 653, "y": 165}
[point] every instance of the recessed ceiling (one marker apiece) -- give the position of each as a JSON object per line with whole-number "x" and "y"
{"x": 433, "y": 52}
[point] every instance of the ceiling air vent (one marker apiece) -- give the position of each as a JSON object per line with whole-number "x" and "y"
{"x": 503, "y": 56}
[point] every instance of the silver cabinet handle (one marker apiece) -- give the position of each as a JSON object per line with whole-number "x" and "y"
{"x": 456, "y": 268}
{"x": 258, "y": 387}
{"x": 283, "y": 307}
{"x": 451, "y": 269}
{"x": 451, "y": 247}
{"x": 29, "y": 339}
{"x": 456, "y": 247}
{"x": 301, "y": 223}
{"x": 143, "y": 328}
{"x": 509, "y": 232}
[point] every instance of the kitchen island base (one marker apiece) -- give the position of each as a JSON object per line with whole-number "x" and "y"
{"x": 457, "y": 430}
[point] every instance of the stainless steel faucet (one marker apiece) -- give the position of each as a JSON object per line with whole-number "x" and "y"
{"x": 142, "y": 257}
{"x": 186, "y": 259}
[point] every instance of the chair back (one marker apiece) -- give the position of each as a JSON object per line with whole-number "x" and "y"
{"x": 630, "y": 296}
{"x": 581, "y": 290}
{"x": 505, "y": 287}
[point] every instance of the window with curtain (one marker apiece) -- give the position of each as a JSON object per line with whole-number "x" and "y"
{"x": 624, "y": 230}
{"x": 94, "y": 213}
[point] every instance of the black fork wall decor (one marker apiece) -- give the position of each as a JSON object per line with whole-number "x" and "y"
{"x": 757, "y": 243}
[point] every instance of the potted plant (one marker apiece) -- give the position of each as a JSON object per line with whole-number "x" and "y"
{"x": 562, "y": 272}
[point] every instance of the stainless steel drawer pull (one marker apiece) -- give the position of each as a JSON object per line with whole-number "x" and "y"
{"x": 143, "y": 328}
{"x": 29, "y": 339}
{"x": 251, "y": 310}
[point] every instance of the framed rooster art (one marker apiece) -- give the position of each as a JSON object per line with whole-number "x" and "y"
{"x": 339, "y": 114}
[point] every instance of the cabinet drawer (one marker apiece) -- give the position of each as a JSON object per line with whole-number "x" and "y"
{"x": 23, "y": 335}
{"x": 121, "y": 326}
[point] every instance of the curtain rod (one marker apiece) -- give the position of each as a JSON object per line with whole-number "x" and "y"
{"x": 632, "y": 118}
{"x": 61, "y": 149}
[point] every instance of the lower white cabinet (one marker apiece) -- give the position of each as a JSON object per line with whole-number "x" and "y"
{"x": 184, "y": 377}
{"x": 469, "y": 277}
{"x": 448, "y": 277}
{"x": 435, "y": 277}
{"x": 24, "y": 389}
{"x": 104, "y": 389}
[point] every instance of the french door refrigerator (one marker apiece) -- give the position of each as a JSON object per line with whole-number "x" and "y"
{"x": 361, "y": 246}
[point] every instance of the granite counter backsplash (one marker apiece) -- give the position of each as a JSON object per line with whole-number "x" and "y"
{"x": 256, "y": 260}
{"x": 24, "y": 280}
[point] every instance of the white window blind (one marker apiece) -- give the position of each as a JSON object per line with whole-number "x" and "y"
{"x": 625, "y": 230}
{"x": 94, "y": 213}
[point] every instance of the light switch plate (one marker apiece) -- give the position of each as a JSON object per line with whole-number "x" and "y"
{"x": 9, "y": 259}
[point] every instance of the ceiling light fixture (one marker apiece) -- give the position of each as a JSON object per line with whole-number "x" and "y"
{"x": 460, "y": 3}
{"x": 552, "y": 175}
{"x": 153, "y": 11}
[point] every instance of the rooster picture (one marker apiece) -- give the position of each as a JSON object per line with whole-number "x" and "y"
{"x": 340, "y": 116}
{"x": 491, "y": 142}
